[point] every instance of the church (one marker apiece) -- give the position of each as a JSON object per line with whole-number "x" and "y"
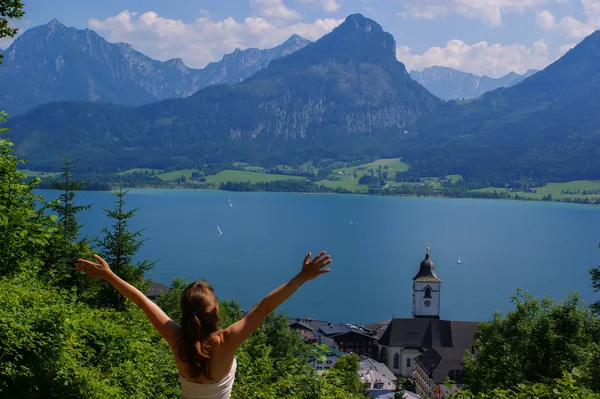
{"x": 426, "y": 348}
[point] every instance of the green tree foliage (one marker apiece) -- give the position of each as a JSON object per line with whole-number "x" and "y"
{"x": 24, "y": 229}
{"x": 383, "y": 355}
{"x": 66, "y": 246}
{"x": 399, "y": 389}
{"x": 595, "y": 273}
{"x": 169, "y": 301}
{"x": 118, "y": 247}
{"x": 9, "y": 9}
{"x": 534, "y": 343}
{"x": 54, "y": 347}
{"x": 344, "y": 375}
{"x": 66, "y": 208}
{"x": 569, "y": 386}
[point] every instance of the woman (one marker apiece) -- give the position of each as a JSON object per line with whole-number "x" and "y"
{"x": 205, "y": 355}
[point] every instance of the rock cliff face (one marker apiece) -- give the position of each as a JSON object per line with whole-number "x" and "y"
{"x": 346, "y": 93}
{"x": 53, "y": 62}
{"x": 451, "y": 84}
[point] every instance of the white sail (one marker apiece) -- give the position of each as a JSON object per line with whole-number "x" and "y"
{"x": 458, "y": 261}
{"x": 219, "y": 230}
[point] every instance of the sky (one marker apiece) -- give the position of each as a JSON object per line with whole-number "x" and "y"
{"x": 485, "y": 37}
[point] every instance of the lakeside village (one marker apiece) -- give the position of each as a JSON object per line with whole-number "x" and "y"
{"x": 424, "y": 349}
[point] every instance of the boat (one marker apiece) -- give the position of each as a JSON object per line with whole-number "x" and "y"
{"x": 458, "y": 262}
{"x": 230, "y": 204}
{"x": 219, "y": 230}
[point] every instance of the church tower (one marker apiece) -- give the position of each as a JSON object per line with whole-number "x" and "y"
{"x": 426, "y": 291}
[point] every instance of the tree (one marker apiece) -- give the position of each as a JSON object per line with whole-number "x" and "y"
{"x": 344, "y": 374}
{"x": 24, "y": 228}
{"x": 383, "y": 355}
{"x": 9, "y": 9}
{"x": 568, "y": 386}
{"x": 399, "y": 389}
{"x": 66, "y": 246}
{"x": 595, "y": 273}
{"x": 534, "y": 343}
{"x": 118, "y": 248}
{"x": 169, "y": 301}
{"x": 65, "y": 208}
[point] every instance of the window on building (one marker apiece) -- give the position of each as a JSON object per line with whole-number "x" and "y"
{"x": 329, "y": 362}
{"x": 396, "y": 361}
{"x": 379, "y": 385}
{"x": 427, "y": 292}
{"x": 408, "y": 362}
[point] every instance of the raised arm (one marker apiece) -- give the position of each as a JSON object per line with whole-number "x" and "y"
{"x": 166, "y": 327}
{"x": 235, "y": 334}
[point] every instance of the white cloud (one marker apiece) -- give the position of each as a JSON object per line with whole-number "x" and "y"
{"x": 572, "y": 27}
{"x": 203, "y": 40}
{"x": 274, "y": 9}
{"x": 325, "y": 5}
{"x": 490, "y": 11}
{"x": 566, "y": 47}
{"x": 481, "y": 58}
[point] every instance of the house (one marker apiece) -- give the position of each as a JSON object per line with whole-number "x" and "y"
{"x": 155, "y": 290}
{"x": 406, "y": 339}
{"x": 379, "y": 379}
{"x": 352, "y": 339}
{"x": 378, "y": 328}
{"x": 308, "y": 328}
{"x": 434, "y": 366}
{"x": 332, "y": 355}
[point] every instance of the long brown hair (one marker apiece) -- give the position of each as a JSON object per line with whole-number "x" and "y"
{"x": 199, "y": 320}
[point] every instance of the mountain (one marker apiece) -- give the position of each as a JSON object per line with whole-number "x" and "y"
{"x": 344, "y": 96}
{"x": 53, "y": 62}
{"x": 546, "y": 127}
{"x": 241, "y": 64}
{"x": 451, "y": 84}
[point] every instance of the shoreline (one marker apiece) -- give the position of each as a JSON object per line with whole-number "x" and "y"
{"x": 178, "y": 187}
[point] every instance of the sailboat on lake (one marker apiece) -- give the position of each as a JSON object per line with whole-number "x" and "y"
{"x": 458, "y": 262}
{"x": 219, "y": 230}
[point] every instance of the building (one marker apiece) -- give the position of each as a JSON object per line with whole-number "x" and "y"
{"x": 330, "y": 358}
{"x": 426, "y": 291}
{"x": 308, "y": 329}
{"x": 379, "y": 379}
{"x": 425, "y": 347}
{"x": 378, "y": 328}
{"x": 155, "y": 290}
{"x": 352, "y": 339}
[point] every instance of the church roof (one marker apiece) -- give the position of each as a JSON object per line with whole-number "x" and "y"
{"x": 427, "y": 271}
{"x": 449, "y": 338}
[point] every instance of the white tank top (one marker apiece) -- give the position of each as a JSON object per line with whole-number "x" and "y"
{"x": 216, "y": 390}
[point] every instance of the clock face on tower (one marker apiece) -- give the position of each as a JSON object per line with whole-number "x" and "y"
{"x": 427, "y": 303}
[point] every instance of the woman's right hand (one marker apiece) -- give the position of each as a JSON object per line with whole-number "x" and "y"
{"x": 92, "y": 269}
{"x": 315, "y": 267}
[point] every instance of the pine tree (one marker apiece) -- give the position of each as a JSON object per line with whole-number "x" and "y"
{"x": 66, "y": 246}
{"x": 66, "y": 209}
{"x": 595, "y": 273}
{"x": 118, "y": 247}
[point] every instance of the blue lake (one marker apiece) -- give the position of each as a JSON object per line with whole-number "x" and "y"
{"x": 540, "y": 247}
